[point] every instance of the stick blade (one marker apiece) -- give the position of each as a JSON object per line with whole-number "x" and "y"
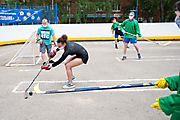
{"x": 166, "y": 43}
{"x": 37, "y": 90}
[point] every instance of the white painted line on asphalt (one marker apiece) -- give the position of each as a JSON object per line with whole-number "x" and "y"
{"x": 29, "y": 70}
{"x": 118, "y": 59}
{"x": 157, "y": 57}
{"x": 89, "y": 81}
{"x": 14, "y": 91}
{"x": 154, "y": 59}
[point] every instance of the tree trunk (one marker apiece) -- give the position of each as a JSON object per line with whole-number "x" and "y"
{"x": 147, "y": 16}
{"x": 162, "y": 10}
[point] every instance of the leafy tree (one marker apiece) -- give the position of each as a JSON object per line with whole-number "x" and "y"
{"x": 165, "y": 9}
{"x": 150, "y": 8}
{"x": 84, "y": 7}
{"x": 146, "y": 8}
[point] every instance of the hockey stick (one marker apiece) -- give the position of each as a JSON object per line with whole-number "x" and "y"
{"x": 151, "y": 40}
{"x": 26, "y": 94}
{"x": 38, "y": 91}
{"x": 45, "y": 43}
{"x": 48, "y": 43}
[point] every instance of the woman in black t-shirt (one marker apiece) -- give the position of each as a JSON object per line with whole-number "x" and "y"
{"x": 79, "y": 56}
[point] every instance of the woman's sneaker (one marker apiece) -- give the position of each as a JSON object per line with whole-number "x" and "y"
{"x": 68, "y": 85}
{"x": 124, "y": 57}
{"x": 73, "y": 79}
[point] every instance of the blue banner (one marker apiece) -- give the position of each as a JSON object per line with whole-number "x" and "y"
{"x": 20, "y": 15}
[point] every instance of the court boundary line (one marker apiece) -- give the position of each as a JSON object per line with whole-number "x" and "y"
{"x": 137, "y": 60}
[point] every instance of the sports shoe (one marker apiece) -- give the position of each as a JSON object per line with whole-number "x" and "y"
{"x": 73, "y": 79}
{"x": 127, "y": 46}
{"x": 44, "y": 63}
{"x": 116, "y": 46}
{"x": 124, "y": 57}
{"x": 139, "y": 56}
{"x": 68, "y": 85}
{"x": 51, "y": 61}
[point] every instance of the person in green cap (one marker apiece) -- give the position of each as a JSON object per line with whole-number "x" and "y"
{"x": 131, "y": 26}
{"x": 170, "y": 105}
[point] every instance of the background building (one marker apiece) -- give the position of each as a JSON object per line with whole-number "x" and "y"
{"x": 101, "y": 11}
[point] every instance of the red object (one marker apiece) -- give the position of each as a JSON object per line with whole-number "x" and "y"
{"x": 52, "y": 54}
{"x": 45, "y": 67}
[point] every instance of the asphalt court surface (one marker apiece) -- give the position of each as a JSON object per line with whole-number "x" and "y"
{"x": 104, "y": 68}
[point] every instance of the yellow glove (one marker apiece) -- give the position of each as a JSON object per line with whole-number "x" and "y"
{"x": 161, "y": 83}
{"x": 156, "y": 105}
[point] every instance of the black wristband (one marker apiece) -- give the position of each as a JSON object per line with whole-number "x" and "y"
{"x": 57, "y": 49}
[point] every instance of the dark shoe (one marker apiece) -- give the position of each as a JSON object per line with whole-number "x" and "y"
{"x": 127, "y": 46}
{"x": 124, "y": 57}
{"x": 116, "y": 46}
{"x": 44, "y": 63}
{"x": 51, "y": 61}
{"x": 139, "y": 56}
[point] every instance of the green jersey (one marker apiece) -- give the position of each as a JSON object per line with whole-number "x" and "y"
{"x": 114, "y": 25}
{"x": 131, "y": 26}
{"x": 45, "y": 33}
{"x": 171, "y": 104}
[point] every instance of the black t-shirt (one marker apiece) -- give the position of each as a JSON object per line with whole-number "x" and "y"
{"x": 72, "y": 48}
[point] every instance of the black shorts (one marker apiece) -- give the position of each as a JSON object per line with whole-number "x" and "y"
{"x": 84, "y": 58}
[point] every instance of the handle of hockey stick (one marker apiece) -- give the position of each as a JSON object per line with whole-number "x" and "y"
{"x": 142, "y": 38}
{"x": 38, "y": 91}
{"x": 46, "y": 43}
{"x": 33, "y": 81}
{"x": 151, "y": 40}
{"x": 49, "y": 43}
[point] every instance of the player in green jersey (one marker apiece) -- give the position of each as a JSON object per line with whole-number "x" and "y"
{"x": 115, "y": 24}
{"x": 131, "y": 26}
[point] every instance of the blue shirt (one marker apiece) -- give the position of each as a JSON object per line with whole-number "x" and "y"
{"x": 45, "y": 33}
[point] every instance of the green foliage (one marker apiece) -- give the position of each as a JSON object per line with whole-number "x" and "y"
{"x": 63, "y": 10}
{"x": 165, "y": 8}
{"x": 83, "y": 7}
{"x": 150, "y": 8}
{"x": 147, "y": 8}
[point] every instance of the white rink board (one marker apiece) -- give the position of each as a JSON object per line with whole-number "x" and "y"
{"x": 22, "y": 32}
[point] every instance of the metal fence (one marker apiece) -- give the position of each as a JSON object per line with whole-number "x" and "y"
{"x": 49, "y": 12}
